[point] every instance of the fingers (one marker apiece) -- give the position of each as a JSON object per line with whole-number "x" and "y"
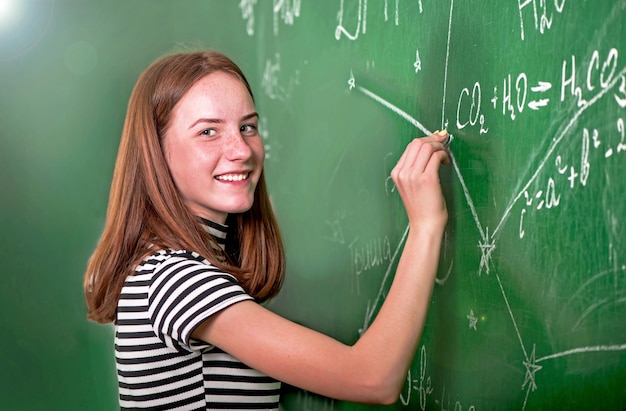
{"x": 420, "y": 151}
{"x": 439, "y": 136}
{"x": 417, "y": 180}
{"x": 423, "y": 155}
{"x": 437, "y": 158}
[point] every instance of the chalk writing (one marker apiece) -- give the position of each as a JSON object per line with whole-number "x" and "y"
{"x": 423, "y": 385}
{"x": 270, "y": 78}
{"x": 273, "y": 84}
{"x": 271, "y": 144}
{"x": 621, "y": 146}
{"x": 548, "y": 199}
{"x": 286, "y": 11}
{"x": 470, "y": 113}
{"x": 620, "y": 95}
{"x": 575, "y": 174}
{"x": 557, "y": 173}
{"x": 543, "y": 12}
{"x": 598, "y": 75}
{"x": 335, "y": 226}
{"x": 359, "y": 26}
{"x": 247, "y": 12}
{"x": 520, "y": 93}
{"x": 515, "y": 100}
{"x": 369, "y": 255}
{"x": 341, "y": 30}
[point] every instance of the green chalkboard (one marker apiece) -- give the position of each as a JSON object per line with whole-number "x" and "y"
{"x": 529, "y": 309}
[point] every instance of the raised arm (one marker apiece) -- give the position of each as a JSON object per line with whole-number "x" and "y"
{"x": 374, "y": 369}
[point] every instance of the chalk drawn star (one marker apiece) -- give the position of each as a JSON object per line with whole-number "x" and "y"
{"x": 472, "y": 320}
{"x": 531, "y": 369}
{"x": 351, "y": 81}
{"x": 486, "y": 248}
{"x": 418, "y": 61}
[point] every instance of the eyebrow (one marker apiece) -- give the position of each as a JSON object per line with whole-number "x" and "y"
{"x": 219, "y": 121}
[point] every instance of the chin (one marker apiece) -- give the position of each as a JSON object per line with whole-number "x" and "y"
{"x": 240, "y": 208}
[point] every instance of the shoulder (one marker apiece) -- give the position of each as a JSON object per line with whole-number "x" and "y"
{"x": 183, "y": 289}
{"x": 164, "y": 261}
{"x": 182, "y": 269}
{"x": 173, "y": 273}
{"x": 168, "y": 256}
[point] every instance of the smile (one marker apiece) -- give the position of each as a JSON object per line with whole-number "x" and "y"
{"x": 233, "y": 177}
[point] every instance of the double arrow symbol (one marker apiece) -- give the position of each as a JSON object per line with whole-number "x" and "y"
{"x": 541, "y": 87}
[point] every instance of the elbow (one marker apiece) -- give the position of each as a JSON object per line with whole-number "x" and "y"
{"x": 376, "y": 380}
{"x": 381, "y": 391}
{"x": 390, "y": 396}
{"x": 387, "y": 400}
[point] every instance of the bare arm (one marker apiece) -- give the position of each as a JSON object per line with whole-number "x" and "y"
{"x": 373, "y": 370}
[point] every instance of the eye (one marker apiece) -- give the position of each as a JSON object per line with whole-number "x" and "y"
{"x": 208, "y": 132}
{"x": 248, "y": 129}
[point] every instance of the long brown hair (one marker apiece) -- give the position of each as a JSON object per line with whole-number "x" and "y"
{"x": 146, "y": 211}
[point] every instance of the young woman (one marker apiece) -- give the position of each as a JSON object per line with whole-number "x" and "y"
{"x": 191, "y": 247}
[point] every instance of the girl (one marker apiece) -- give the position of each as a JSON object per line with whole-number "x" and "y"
{"x": 191, "y": 248}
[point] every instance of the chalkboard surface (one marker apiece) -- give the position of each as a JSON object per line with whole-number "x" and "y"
{"x": 529, "y": 309}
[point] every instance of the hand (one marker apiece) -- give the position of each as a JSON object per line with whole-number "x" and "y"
{"x": 416, "y": 175}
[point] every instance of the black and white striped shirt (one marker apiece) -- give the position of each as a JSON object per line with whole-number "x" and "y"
{"x": 159, "y": 366}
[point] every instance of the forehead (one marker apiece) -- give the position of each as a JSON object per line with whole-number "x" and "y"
{"x": 216, "y": 89}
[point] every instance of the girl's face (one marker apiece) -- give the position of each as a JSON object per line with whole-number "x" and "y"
{"x": 213, "y": 148}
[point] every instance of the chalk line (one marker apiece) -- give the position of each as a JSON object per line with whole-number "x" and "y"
{"x": 584, "y": 350}
{"x": 445, "y": 75}
{"x": 508, "y": 307}
{"x": 395, "y": 109}
{"x": 468, "y": 198}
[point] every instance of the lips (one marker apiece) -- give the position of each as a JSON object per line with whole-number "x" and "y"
{"x": 233, "y": 177}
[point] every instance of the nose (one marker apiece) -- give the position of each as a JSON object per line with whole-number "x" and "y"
{"x": 237, "y": 147}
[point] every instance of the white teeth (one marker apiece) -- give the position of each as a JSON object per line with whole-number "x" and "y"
{"x": 232, "y": 177}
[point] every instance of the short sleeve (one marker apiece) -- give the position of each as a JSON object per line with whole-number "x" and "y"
{"x": 186, "y": 291}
